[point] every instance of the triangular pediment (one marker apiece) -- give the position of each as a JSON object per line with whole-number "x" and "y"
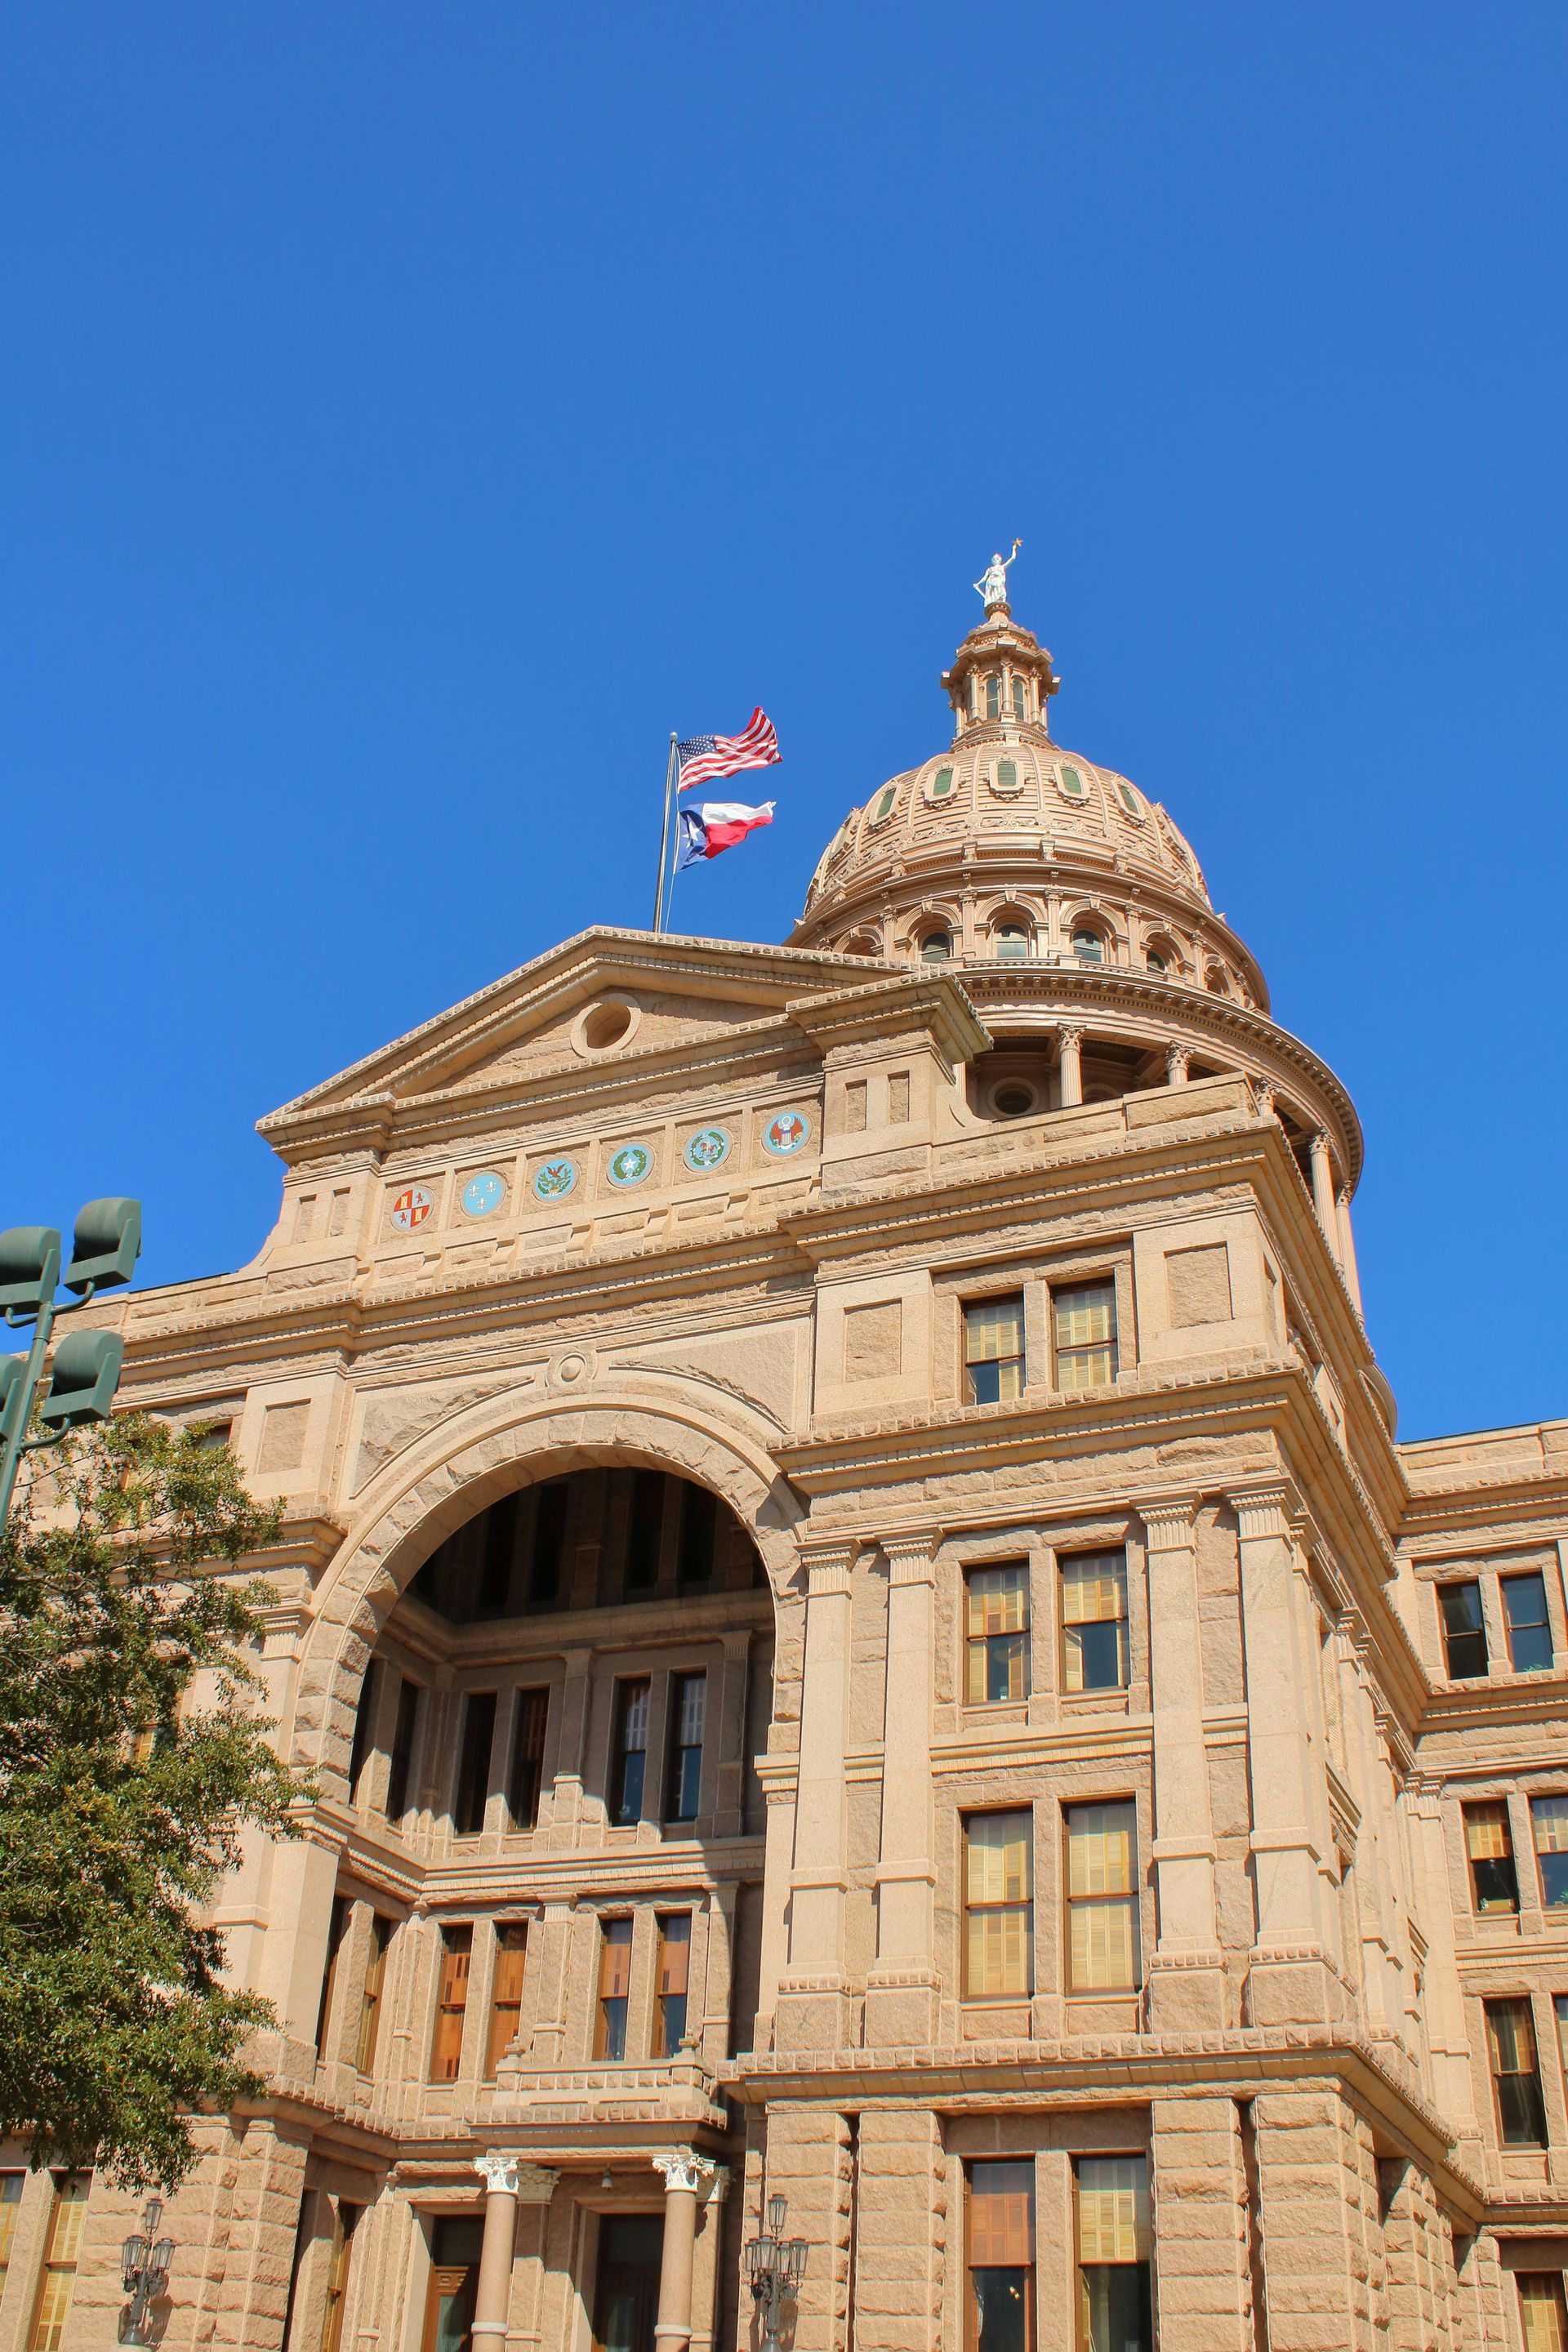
{"x": 678, "y": 995}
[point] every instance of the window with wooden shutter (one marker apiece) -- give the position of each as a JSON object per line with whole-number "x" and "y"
{"x": 1095, "y": 1654}
{"x": 506, "y": 1993}
{"x": 1494, "y": 1885}
{"x": 994, "y": 1348}
{"x": 1102, "y": 1908}
{"x": 1542, "y": 2316}
{"x": 62, "y": 2251}
{"x": 1515, "y": 2077}
{"x": 1084, "y": 1314}
{"x": 451, "y": 2003}
{"x": 996, "y": 1632}
{"x": 1112, "y": 2201}
{"x": 526, "y": 1779}
{"x": 1549, "y": 1822}
{"x": 370, "y": 1994}
{"x": 1000, "y": 2256}
{"x": 614, "y": 1989}
{"x": 998, "y": 1905}
{"x": 674, "y": 1980}
{"x": 345, "y": 2221}
{"x": 10, "y": 2205}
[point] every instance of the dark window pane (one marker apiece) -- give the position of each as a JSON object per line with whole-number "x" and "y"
{"x": 630, "y": 1761}
{"x": 1099, "y": 1647}
{"x": 1003, "y": 1667}
{"x": 495, "y": 1565}
{"x": 1116, "y": 2307}
{"x": 1528, "y": 1633}
{"x": 549, "y": 1545}
{"x": 1464, "y": 1634}
{"x": 1522, "y": 2115}
{"x": 474, "y": 1763}
{"x": 1001, "y": 2310}
{"x": 1554, "y": 1881}
{"x": 1496, "y": 1884}
{"x": 402, "y": 1751}
{"x": 985, "y": 1384}
{"x": 528, "y": 1758}
{"x": 370, "y": 1690}
{"x": 698, "y": 1528}
{"x": 645, "y": 1530}
{"x": 688, "y": 1709}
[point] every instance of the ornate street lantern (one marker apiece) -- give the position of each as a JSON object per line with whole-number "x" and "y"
{"x": 145, "y": 2262}
{"x": 775, "y": 2266}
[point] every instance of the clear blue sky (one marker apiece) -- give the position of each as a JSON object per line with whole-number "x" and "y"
{"x": 409, "y": 416}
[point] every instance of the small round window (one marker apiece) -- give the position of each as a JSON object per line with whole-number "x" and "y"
{"x": 1014, "y": 1100}
{"x": 936, "y": 947}
{"x": 1089, "y": 946}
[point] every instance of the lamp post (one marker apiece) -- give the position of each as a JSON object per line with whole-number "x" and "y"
{"x": 85, "y": 1373}
{"x": 775, "y": 2266}
{"x": 144, "y": 2273}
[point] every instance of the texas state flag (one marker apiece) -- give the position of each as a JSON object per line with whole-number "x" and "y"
{"x": 714, "y": 825}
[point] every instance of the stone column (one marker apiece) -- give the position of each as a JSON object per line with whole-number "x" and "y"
{"x": 535, "y": 2188}
{"x": 1347, "y": 1248}
{"x": 685, "y": 2173}
{"x": 812, "y": 2010}
{"x": 504, "y": 2175}
{"x": 709, "y": 2255}
{"x": 1068, "y": 1042}
{"x": 1185, "y": 1988}
{"x": 1290, "y": 1981}
{"x": 1323, "y": 1193}
{"x": 1177, "y": 1060}
{"x": 1203, "y": 2278}
{"x": 901, "y": 1989}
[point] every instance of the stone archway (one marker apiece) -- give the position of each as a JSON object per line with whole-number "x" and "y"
{"x": 473, "y": 1462}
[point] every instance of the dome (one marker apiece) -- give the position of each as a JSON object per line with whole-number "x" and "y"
{"x": 1007, "y": 845}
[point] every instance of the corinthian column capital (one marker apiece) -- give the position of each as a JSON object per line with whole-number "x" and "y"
{"x": 683, "y": 2168}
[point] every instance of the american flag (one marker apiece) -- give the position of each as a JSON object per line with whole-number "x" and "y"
{"x": 702, "y": 756}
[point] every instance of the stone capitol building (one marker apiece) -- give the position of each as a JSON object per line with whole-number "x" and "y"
{"x": 866, "y": 1639}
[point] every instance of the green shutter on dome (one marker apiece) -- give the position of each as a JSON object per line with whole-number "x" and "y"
{"x": 942, "y": 783}
{"x": 1006, "y": 775}
{"x": 1072, "y": 782}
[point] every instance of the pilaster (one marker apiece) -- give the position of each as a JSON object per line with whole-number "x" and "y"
{"x": 901, "y": 1988}
{"x": 813, "y": 2008}
{"x": 1184, "y": 1989}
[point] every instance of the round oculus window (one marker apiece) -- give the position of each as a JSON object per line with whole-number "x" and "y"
{"x": 1014, "y": 1100}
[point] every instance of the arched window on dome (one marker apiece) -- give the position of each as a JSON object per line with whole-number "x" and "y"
{"x": 1088, "y": 944}
{"x": 1162, "y": 956}
{"x": 1072, "y": 783}
{"x": 1129, "y": 800}
{"x": 941, "y": 785}
{"x": 1215, "y": 982}
{"x": 994, "y": 694}
{"x": 1020, "y": 697}
{"x": 1010, "y": 940}
{"x": 936, "y": 946}
{"x": 860, "y": 944}
{"x": 884, "y": 807}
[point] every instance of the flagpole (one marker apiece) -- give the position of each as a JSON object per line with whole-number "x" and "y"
{"x": 664, "y": 836}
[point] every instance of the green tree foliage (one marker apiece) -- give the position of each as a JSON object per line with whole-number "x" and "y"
{"x": 133, "y": 1761}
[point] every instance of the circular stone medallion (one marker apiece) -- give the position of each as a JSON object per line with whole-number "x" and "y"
{"x": 630, "y": 1164}
{"x": 785, "y": 1132}
{"x": 708, "y": 1148}
{"x": 554, "y": 1179}
{"x": 411, "y": 1208}
{"x": 483, "y": 1195}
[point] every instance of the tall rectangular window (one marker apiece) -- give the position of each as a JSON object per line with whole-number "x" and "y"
{"x": 526, "y": 1778}
{"x": 1542, "y": 2314}
{"x": 1095, "y": 1652}
{"x": 451, "y": 2003}
{"x": 998, "y": 1905}
{"x": 996, "y": 1632}
{"x": 994, "y": 1348}
{"x": 1102, "y": 1903}
{"x": 506, "y": 1993}
{"x": 1515, "y": 2077}
{"x": 549, "y": 1545}
{"x": 371, "y": 1993}
{"x": 1084, "y": 1318}
{"x": 698, "y": 1534}
{"x": 629, "y": 1763}
{"x": 494, "y": 1592}
{"x": 645, "y": 1530}
{"x": 674, "y": 1981}
{"x": 402, "y": 1761}
{"x": 1489, "y": 1846}
{"x": 337, "y": 1936}
{"x": 1528, "y": 1627}
{"x": 1559, "y": 2008}
{"x": 61, "y": 2251}
{"x": 614, "y": 1990}
{"x": 1464, "y": 1629}
{"x": 364, "y": 1720}
{"x": 683, "y": 1781}
{"x": 1548, "y": 1821}
{"x": 1001, "y": 2267}
{"x": 474, "y": 1763}
{"x": 10, "y": 2205}
{"x": 1111, "y": 2195}
{"x": 345, "y": 2220}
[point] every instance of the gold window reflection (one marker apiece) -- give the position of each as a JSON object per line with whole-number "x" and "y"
{"x": 999, "y": 1912}
{"x": 994, "y": 1348}
{"x": 1541, "y": 2312}
{"x": 1085, "y": 1318}
{"x": 1102, "y": 1909}
{"x": 997, "y": 1629}
{"x": 1094, "y": 1621}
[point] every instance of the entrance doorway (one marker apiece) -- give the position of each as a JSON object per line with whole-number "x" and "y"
{"x": 626, "y": 2296}
{"x": 454, "y": 2281}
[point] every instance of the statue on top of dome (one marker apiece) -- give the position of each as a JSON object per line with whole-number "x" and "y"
{"x": 993, "y": 585}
